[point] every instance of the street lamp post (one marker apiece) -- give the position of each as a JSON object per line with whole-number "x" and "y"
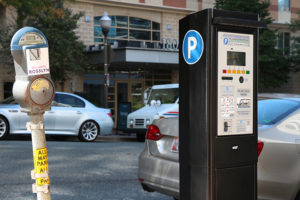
{"x": 105, "y": 23}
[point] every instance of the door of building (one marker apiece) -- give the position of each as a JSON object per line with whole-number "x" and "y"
{"x": 129, "y": 91}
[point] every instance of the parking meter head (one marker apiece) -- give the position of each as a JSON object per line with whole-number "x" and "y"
{"x": 33, "y": 88}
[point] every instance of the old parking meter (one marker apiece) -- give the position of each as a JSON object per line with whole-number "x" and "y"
{"x": 34, "y": 91}
{"x": 218, "y": 105}
{"x": 33, "y": 88}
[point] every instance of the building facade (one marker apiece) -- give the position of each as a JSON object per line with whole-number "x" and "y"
{"x": 144, "y": 40}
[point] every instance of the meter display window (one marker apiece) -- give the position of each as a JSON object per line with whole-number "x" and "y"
{"x": 62, "y": 100}
{"x": 236, "y": 58}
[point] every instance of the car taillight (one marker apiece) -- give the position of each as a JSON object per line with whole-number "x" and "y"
{"x": 260, "y": 146}
{"x": 109, "y": 114}
{"x": 153, "y": 133}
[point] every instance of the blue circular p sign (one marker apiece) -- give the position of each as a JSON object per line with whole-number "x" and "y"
{"x": 192, "y": 47}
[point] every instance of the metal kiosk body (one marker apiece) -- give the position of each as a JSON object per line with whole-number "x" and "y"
{"x": 34, "y": 91}
{"x": 218, "y": 106}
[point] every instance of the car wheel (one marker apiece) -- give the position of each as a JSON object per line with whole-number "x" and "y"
{"x": 175, "y": 198}
{"x": 4, "y": 128}
{"x": 140, "y": 137}
{"x": 89, "y": 131}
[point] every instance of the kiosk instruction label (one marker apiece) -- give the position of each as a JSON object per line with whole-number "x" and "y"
{"x": 235, "y": 83}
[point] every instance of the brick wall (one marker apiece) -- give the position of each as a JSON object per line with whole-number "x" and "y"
{"x": 295, "y": 7}
{"x": 273, "y": 9}
{"x": 175, "y": 3}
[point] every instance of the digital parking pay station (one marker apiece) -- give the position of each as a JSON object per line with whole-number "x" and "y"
{"x": 34, "y": 91}
{"x": 218, "y": 105}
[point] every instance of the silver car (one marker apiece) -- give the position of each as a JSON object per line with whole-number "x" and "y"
{"x": 278, "y": 150}
{"x": 70, "y": 114}
{"x": 279, "y": 162}
{"x": 159, "y": 161}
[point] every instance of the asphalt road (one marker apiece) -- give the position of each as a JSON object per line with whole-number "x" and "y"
{"x": 102, "y": 170}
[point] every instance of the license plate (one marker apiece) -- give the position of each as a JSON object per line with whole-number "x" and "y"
{"x": 175, "y": 145}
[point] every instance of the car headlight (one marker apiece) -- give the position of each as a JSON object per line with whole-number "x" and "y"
{"x": 147, "y": 121}
{"x": 131, "y": 121}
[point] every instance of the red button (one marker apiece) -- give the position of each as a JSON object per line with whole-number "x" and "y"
{"x": 224, "y": 71}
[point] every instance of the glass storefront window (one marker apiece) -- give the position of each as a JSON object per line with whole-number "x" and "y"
{"x": 140, "y": 35}
{"x": 128, "y": 28}
{"x": 98, "y": 31}
{"x": 98, "y": 39}
{"x": 122, "y": 21}
{"x": 156, "y": 36}
{"x": 155, "y": 26}
{"x": 140, "y": 23}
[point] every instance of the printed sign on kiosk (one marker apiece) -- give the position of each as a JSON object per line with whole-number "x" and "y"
{"x": 235, "y": 83}
{"x": 218, "y": 106}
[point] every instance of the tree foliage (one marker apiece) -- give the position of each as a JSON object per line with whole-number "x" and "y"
{"x": 66, "y": 52}
{"x": 274, "y": 67}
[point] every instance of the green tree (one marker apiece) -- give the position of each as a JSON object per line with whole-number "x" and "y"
{"x": 274, "y": 67}
{"x": 66, "y": 52}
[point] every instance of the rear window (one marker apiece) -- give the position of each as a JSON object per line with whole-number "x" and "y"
{"x": 273, "y": 110}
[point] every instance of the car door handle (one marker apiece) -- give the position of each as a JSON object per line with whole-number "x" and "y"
{"x": 78, "y": 112}
{"x": 13, "y": 111}
{"x": 50, "y": 111}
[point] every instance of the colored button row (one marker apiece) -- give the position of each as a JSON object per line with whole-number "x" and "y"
{"x": 235, "y": 71}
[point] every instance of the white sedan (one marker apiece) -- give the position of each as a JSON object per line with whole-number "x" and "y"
{"x": 69, "y": 115}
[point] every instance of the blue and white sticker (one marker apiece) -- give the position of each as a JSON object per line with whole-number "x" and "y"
{"x": 193, "y": 46}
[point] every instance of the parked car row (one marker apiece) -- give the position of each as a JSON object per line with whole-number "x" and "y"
{"x": 278, "y": 150}
{"x": 70, "y": 114}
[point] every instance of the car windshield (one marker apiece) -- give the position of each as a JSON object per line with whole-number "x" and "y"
{"x": 166, "y": 96}
{"x": 9, "y": 100}
{"x": 273, "y": 110}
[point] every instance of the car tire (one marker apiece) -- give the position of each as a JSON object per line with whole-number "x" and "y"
{"x": 140, "y": 137}
{"x": 89, "y": 131}
{"x": 175, "y": 198}
{"x": 4, "y": 127}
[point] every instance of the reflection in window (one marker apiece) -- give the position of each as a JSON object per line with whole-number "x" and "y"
{"x": 140, "y": 23}
{"x": 156, "y": 36}
{"x": 283, "y": 5}
{"x": 128, "y": 28}
{"x": 63, "y": 100}
{"x": 140, "y": 35}
{"x": 155, "y": 26}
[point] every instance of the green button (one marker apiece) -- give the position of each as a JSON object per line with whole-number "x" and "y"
{"x": 247, "y": 72}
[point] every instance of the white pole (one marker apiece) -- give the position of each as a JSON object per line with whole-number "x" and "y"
{"x": 40, "y": 159}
